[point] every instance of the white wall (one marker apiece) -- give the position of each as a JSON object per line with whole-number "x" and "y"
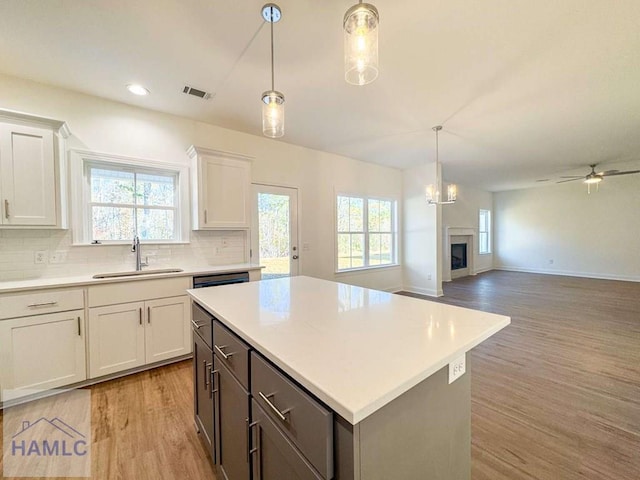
{"x": 104, "y": 126}
{"x": 422, "y": 237}
{"x": 464, "y": 214}
{"x": 595, "y": 235}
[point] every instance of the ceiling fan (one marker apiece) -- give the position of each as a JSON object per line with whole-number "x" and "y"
{"x": 594, "y": 178}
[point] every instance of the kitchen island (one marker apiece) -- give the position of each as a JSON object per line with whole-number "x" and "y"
{"x": 375, "y": 364}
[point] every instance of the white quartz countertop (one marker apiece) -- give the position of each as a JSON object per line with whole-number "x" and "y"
{"x": 87, "y": 279}
{"x": 356, "y": 349}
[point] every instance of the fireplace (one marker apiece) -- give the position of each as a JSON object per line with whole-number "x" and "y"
{"x": 458, "y": 256}
{"x": 467, "y": 237}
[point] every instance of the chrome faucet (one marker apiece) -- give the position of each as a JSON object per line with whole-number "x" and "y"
{"x": 136, "y": 248}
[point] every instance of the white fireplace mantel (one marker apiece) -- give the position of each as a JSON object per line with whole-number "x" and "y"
{"x": 471, "y": 234}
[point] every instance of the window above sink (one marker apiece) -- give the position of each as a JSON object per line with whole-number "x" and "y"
{"x": 116, "y": 198}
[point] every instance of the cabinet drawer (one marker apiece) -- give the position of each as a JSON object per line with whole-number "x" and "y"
{"x": 308, "y": 424}
{"x": 41, "y": 301}
{"x": 202, "y": 324}
{"x": 232, "y": 352}
{"x": 137, "y": 290}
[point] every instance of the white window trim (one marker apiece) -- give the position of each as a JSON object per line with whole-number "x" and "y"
{"x": 394, "y": 233}
{"x": 490, "y": 250}
{"x": 81, "y": 234}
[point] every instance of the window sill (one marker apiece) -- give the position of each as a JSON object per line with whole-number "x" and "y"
{"x": 127, "y": 243}
{"x": 366, "y": 269}
{"x": 487, "y": 253}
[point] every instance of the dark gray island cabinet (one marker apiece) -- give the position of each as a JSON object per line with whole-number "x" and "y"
{"x": 262, "y": 416}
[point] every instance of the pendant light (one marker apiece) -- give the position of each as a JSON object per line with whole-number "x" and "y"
{"x": 433, "y": 191}
{"x": 361, "y": 44}
{"x": 273, "y": 101}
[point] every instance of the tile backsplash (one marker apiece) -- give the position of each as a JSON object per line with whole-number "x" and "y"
{"x": 18, "y": 251}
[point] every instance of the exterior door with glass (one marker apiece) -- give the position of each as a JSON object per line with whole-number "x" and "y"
{"x": 274, "y": 239}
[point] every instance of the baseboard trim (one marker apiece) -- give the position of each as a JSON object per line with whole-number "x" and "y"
{"x": 423, "y": 291}
{"x": 395, "y": 289}
{"x": 483, "y": 270}
{"x": 564, "y": 273}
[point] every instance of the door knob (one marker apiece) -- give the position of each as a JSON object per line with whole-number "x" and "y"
{"x": 295, "y": 257}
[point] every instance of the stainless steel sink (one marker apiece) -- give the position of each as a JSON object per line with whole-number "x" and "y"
{"x": 135, "y": 273}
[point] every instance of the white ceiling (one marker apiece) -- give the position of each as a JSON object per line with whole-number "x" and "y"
{"x": 525, "y": 89}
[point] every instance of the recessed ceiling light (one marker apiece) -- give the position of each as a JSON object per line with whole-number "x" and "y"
{"x": 137, "y": 89}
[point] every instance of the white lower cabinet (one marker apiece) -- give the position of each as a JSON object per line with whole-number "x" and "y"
{"x": 41, "y": 352}
{"x": 168, "y": 328}
{"x": 116, "y": 338}
{"x": 130, "y": 335}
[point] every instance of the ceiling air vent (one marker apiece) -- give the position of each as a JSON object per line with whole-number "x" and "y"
{"x": 196, "y": 93}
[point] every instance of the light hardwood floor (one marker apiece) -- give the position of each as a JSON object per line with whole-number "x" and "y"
{"x": 142, "y": 428}
{"x": 555, "y": 396}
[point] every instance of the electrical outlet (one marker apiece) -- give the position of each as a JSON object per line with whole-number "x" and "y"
{"x": 457, "y": 368}
{"x": 429, "y": 276}
{"x": 225, "y": 242}
{"x": 58, "y": 257}
{"x": 40, "y": 256}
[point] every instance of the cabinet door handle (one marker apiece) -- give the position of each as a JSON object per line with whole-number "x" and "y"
{"x": 219, "y": 350}
{"x": 140, "y": 315}
{"x": 79, "y": 331}
{"x": 281, "y": 415}
{"x": 45, "y": 304}
{"x": 246, "y": 420}
{"x": 148, "y": 314}
{"x": 205, "y": 367}
{"x": 214, "y": 389}
{"x": 6, "y": 208}
{"x": 197, "y": 325}
{"x": 217, "y": 433}
{"x": 255, "y": 449}
{"x": 205, "y": 217}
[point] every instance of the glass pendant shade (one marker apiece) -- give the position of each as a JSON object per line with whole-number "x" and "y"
{"x": 452, "y": 193}
{"x": 431, "y": 193}
{"x": 361, "y": 44}
{"x": 434, "y": 191}
{"x": 272, "y": 100}
{"x": 273, "y": 114}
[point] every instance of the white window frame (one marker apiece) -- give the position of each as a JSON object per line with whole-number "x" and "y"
{"x": 81, "y": 160}
{"x": 365, "y": 232}
{"x": 487, "y": 213}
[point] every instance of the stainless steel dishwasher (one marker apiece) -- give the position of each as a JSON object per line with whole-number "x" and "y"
{"x": 201, "y": 281}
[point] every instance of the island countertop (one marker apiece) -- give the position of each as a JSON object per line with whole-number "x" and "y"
{"x": 355, "y": 348}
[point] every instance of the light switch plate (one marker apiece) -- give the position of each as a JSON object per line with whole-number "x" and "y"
{"x": 457, "y": 368}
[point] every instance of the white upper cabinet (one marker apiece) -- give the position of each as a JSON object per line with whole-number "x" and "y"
{"x": 221, "y": 186}
{"x": 31, "y": 160}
